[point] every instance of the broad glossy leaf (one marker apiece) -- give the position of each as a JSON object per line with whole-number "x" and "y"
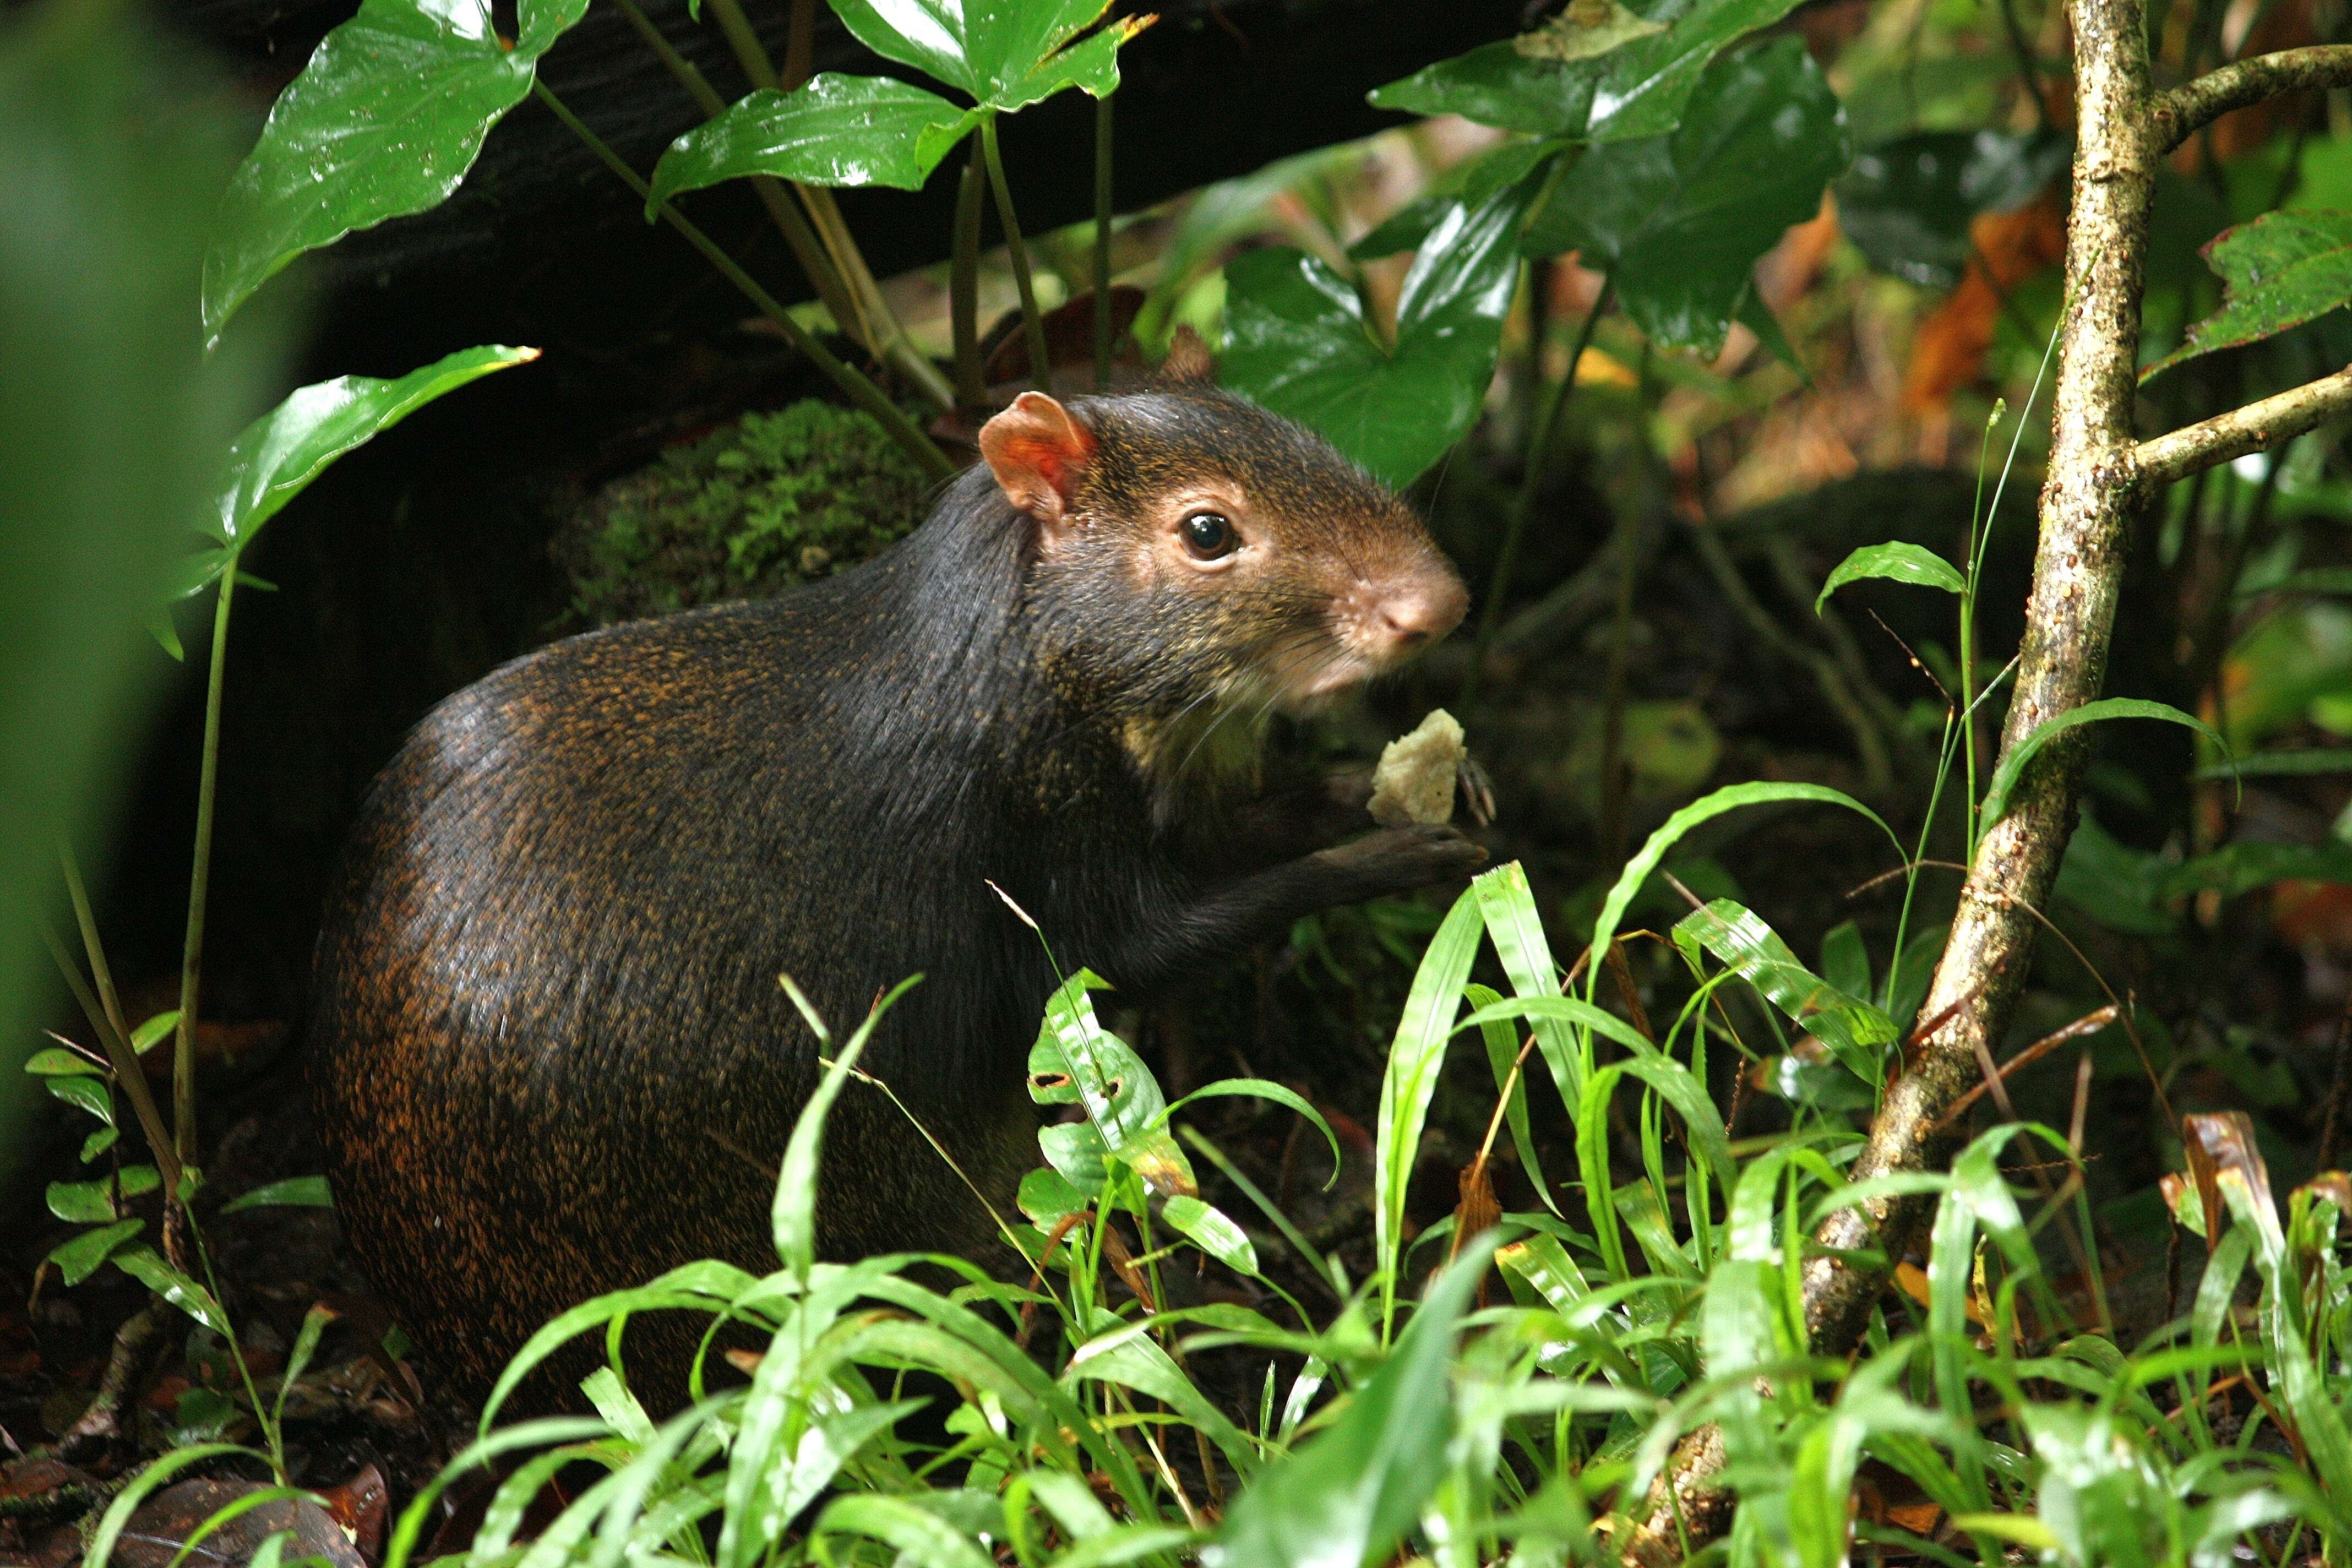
{"x": 1907, "y": 204}
{"x": 1004, "y": 53}
{"x": 277, "y": 456}
{"x": 2278, "y": 271}
{"x": 59, "y": 1062}
{"x": 89, "y": 1093}
{"x": 1296, "y": 340}
{"x": 383, "y": 122}
{"x": 1355, "y": 1487}
{"x": 1898, "y": 561}
{"x": 1851, "y": 1028}
{"x": 2012, "y": 763}
{"x": 83, "y": 1202}
{"x": 1466, "y": 183}
{"x": 834, "y": 130}
{"x": 1638, "y": 90}
{"x": 1680, "y": 221}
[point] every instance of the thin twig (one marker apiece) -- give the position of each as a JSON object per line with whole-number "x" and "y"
{"x": 848, "y": 377}
{"x": 2278, "y": 419}
{"x": 2180, "y": 113}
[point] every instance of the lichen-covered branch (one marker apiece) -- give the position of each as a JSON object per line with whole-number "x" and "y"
{"x": 2193, "y": 447}
{"x": 2181, "y": 112}
{"x": 2086, "y": 502}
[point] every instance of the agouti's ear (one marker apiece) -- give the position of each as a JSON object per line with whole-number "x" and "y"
{"x": 1188, "y": 358}
{"x": 1038, "y": 452}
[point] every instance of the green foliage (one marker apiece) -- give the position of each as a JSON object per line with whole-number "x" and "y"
{"x": 1638, "y": 89}
{"x": 110, "y": 430}
{"x": 1297, "y": 340}
{"x": 1895, "y": 561}
{"x": 773, "y": 501}
{"x": 833, "y": 130}
{"x": 1907, "y": 204}
{"x": 383, "y": 122}
{"x": 2279, "y": 271}
{"x": 1680, "y": 220}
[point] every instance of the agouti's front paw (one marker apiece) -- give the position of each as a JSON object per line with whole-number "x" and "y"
{"x": 1399, "y": 859}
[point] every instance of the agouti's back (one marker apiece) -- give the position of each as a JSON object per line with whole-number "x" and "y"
{"x": 553, "y": 1055}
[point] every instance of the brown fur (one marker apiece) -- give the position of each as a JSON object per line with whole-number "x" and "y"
{"x": 553, "y": 1058}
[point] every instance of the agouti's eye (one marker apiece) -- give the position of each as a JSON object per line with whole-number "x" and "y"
{"x": 1208, "y": 535}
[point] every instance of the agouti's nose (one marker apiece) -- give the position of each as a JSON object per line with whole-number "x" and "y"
{"x": 1423, "y": 611}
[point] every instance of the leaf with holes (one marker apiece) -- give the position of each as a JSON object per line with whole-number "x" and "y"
{"x": 1076, "y": 1061}
{"x": 1680, "y": 221}
{"x": 2279, "y": 271}
{"x": 385, "y": 120}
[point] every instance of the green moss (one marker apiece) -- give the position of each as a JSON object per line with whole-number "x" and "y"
{"x": 768, "y": 502}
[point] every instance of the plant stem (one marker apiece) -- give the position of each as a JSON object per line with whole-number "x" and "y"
{"x": 1041, "y": 364}
{"x": 2087, "y": 502}
{"x": 862, "y": 312}
{"x": 860, "y": 388}
{"x": 1102, "y": 244}
{"x": 744, "y": 39}
{"x": 805, "y": 247}
{"x": 800, "y": 44}
{"x": 192, "y": 953}
{"x": 112, "y": 1029}
{"x": 1542, "y": 432}
{"x": 963, "y": 284}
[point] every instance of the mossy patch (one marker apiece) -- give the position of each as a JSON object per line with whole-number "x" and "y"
{"x": 768, "y": 502}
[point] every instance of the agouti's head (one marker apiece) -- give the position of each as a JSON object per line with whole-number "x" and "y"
{"x": 1194, "y": 554}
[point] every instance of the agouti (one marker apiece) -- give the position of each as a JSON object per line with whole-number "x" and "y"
{"x": 553, "y": 1055}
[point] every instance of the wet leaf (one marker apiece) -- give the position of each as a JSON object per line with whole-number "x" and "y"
{"x": 1680, "y": 221}
{"x": 1076, "y": 1061}
{"x": 277, "y": 457}
{"x": 2279, "y": 271}
{"x": 385, "y": 120}
{"x": 836, "y": 130}
{"x": 1470, "y": 184}
{"x": 150, "y": 1270}
{"x": 1213, "y": 1231}
{"x": 1298, "y": 339}
{"x": 1851, "y": 1029}
{"x": 1637, "y": 90}
{"x": 1002, "y": 55}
